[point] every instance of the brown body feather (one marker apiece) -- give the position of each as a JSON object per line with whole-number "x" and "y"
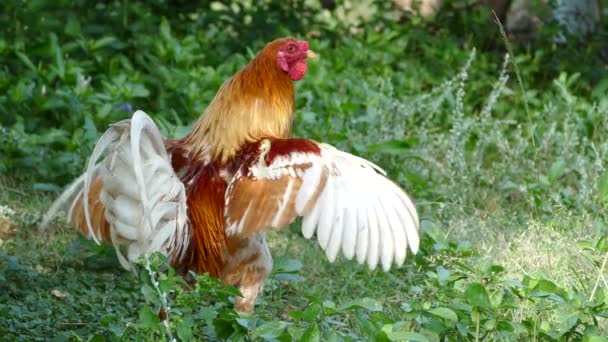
{"x": 205, "y": 197}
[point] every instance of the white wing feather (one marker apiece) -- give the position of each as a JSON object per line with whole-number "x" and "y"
{"x": 348, "y": 202}
{"x": 374, "y": 219}
{"x": 327, "y": 213}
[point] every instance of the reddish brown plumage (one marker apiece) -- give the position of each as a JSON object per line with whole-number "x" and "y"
{"x": 281, "y": 147}
{"x": 205, "y": 198}
{"x": 178, "y": 153}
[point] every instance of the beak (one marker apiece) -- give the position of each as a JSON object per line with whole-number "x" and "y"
{"x": 311, "y": 54}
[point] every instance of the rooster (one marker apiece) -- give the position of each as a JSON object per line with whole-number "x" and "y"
{"x": 206, "y": 200}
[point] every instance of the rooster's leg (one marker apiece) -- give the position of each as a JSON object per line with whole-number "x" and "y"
{"x": 247, "y": 268}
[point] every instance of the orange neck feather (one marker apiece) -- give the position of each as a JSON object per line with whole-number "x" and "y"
{"x": 256, "y": 102}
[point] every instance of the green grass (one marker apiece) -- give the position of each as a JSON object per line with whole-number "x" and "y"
{"x": 510, "y": 178}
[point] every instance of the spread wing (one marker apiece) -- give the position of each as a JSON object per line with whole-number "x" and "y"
{"x": 345, "y": 199}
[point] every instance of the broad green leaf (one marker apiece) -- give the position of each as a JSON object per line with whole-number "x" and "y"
{"x": 544, "y": 287}
{"x": 148, "y": 318}
{"x": 312, "y": 334}
{"x": 184, "y": 329}
{"x": 295, "y": 332}
{"x": 296, "y": 314}
{"x": 208, "y": 314}
{"x": 328, "y": 304}
{"x": 505, "y": 326}
{"x": 490, "y": 324}
{"x": 567, "y": 322}
{"x": 445, "y": 313}
{"x": 367, "y": 327}
{"x": 476, "y": 295}
{"x": 312, "y": 311}
{"x": 272, "y": 329}
{"x": 361, "y": 303}
{"x": 231, "y": 291}
{"x": 496, "y": 298}
{"x": 245, "y": 322}
{"x": 150, "y": 295}
{"x": 330, "y": 335}
{"x": 329, "y": 307}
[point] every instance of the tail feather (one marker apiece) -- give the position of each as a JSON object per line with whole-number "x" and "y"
{"x": 132, "y": 197}
{"x": 97, "y": 226}
{"x": 64, "y": 202}
{"x": 115, "y": 132}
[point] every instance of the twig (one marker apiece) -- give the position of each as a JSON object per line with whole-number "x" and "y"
{"x": 521, "y": 89}
{"x": 604, "y": 281}
{"x": 599, "y": 277}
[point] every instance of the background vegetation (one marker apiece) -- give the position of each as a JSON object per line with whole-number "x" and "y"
{"x": 505, "y": 154}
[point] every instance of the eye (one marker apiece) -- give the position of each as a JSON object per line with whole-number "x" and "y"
{"x": 291, "y": 48}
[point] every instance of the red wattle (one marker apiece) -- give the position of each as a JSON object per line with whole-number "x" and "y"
{"x": 297, "y": 71}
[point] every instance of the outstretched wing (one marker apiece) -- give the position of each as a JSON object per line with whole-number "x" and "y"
{"x": 346, "y": 200}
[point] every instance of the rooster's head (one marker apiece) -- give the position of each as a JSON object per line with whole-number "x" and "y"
{"x": 291, "y": 55}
